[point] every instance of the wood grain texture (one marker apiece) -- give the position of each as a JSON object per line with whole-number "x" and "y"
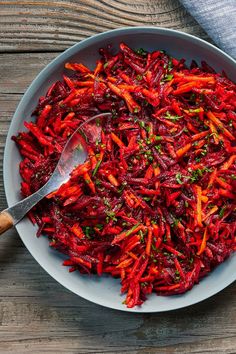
{"x": 37, "y": 315}
{"x": 54, "y": 25}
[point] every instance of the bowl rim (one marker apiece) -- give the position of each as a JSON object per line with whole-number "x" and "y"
{"x": 72, "y": 50}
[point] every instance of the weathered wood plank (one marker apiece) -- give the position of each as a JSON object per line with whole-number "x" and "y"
{"x": 18, "y": 71}
{"x": 55, "y": 25}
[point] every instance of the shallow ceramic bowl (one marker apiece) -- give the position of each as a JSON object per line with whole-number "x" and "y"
{"x": 105, "y": 290}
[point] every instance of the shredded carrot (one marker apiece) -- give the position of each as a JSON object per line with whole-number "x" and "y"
{"x": 180, "y": 152}
{"x": 113, "y": 180}
{"x": 186, "y": 87}
{"x": 198, "y": 191}
{"x": 212, "y": 211}
{"x": 212, "y": 178}
{"x": 220, "y": 125}
{"x": 214, "y": 132}
{"x": 149, "y": 241}
{"x": 90, "y": 183}
{"x": 117, "y": 140}
{"x": 203, "y": 244}
{"x": 228, "y": 163}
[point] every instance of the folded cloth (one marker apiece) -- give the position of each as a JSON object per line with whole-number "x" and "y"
{"x": 218, "y": 18}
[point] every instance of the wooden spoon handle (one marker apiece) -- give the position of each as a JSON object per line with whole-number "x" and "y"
{"x": 6, "y": 221}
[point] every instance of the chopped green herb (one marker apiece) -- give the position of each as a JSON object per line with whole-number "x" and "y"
{"x": 175, "y": 223}
{"x": 172, "y": 117}
{"x": 168, "y": 77}
{"x": 97, "y": 182}
{"x": 139, "y": 77}
{"x": 132, "y": 229}
{"x": 97, "y": 167}
{"x": 192, "y": 97}
{"x": 204, "y": 152}
{"x": 87, "y": 231}
{"x": 154, "y": 247}
{"x": 196, "y": 174}
{"x": 170, "y": 65}
{"x": 142, "y": 124}
{"x": 196, "y": 110}
{"x": 141, "y": 236}
{"x": 114, "y": 113}
{"x": 141, "y": 51}
{"x": 143, "y": 284}
{"x": 111, "y": 215}
{"x": 210, "y": 205}
{"x": 99, "y": 226}
{"x": 148, "y": 129}
{"x": 106, "y": 202}
{"x": 222, "y": 211}
{"x": 147, "y": 199}
{"x": 158, "y": 148}
{"x": 178, "y": 177}
{"x": 106, "y": 65}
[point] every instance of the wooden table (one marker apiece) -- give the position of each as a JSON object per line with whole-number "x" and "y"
{"x": 37, "y": 315}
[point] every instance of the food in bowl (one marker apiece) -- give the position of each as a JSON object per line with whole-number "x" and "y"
{"x": 154, "y": 204}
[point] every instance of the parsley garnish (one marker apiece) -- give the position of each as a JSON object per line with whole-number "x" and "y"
{"x": 96, "y": 167}
{"x": 172, "y": 117}
{"x": 141, "y": 51}
{"x": 168, "y": 77}
{"x": 158, "y": 148}
{"x": 139, "y": 77}
{"x": 222, "y": 211}
{"x": 178, "y": 177}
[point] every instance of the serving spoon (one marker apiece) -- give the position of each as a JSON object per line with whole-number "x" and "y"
{"x": 74, "y": 153}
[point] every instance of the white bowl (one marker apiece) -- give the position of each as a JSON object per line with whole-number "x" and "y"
{"x": 106, "y": 290}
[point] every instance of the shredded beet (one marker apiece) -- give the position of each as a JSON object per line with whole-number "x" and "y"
{"x": 155, "y": 202}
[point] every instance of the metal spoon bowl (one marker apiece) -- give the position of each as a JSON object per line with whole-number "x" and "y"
{"x": 74, "y": 153}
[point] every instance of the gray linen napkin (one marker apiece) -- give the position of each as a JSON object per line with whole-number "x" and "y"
{"x": 218, "y": 18}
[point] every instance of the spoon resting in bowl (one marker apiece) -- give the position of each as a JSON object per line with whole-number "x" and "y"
{"x": 74, "y": 153}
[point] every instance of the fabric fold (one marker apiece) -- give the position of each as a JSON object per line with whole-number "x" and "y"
{"x": 218, "y": 19}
